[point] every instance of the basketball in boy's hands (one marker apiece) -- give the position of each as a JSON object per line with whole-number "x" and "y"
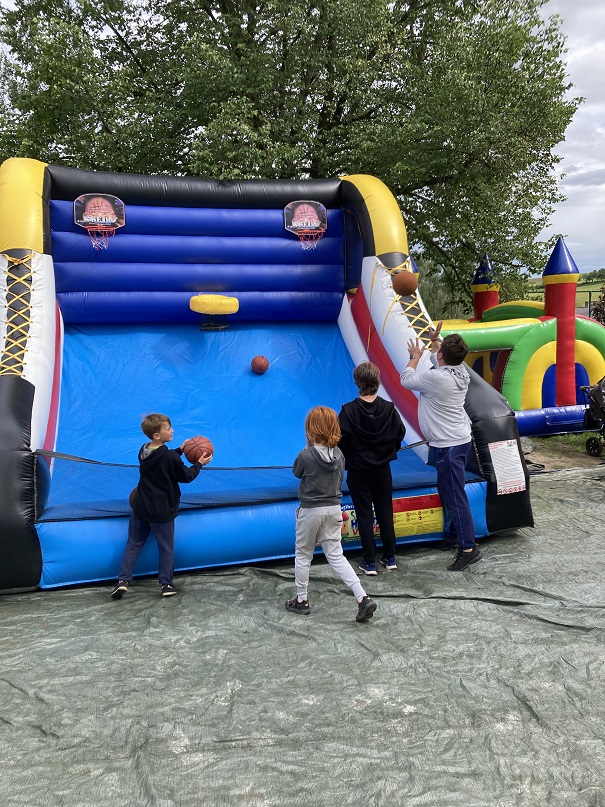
{"x": 133, "y": 493}
{"x": 196, "y": 446}
{"x": 260, "y": 364}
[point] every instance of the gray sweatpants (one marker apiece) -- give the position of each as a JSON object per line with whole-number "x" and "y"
{"x": 321, "y": 525}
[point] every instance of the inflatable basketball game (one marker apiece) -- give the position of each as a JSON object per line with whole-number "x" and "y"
{"x": 99, "y": 326}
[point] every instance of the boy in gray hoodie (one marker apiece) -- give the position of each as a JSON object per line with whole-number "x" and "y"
{"x": 320, "y": 468}
{"x": 446, "y": 426}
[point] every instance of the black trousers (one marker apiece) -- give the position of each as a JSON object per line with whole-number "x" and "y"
{"x": 369, "y": 488}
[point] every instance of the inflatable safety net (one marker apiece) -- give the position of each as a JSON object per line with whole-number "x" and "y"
{"x": 86, "y": 489}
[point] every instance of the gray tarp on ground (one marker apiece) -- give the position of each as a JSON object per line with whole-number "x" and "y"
{"x": 477, "y": 688}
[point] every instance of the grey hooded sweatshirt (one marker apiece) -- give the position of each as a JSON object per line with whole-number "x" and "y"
{"x": 321, "y": 471}
{"x": 441, "y": 413}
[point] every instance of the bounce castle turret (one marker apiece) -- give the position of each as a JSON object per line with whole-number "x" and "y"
{"x": 536, "y": 354}
{"x": 560, "y": 278}
{"x": 485, "y": 288}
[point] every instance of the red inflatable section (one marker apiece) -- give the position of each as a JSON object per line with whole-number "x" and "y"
{"x": 404, "y": 399}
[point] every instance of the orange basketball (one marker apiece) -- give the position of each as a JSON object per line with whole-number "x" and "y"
{"x": 133, "y": 493}
{"x": 405, "y": 283}
{"x": 260, "y": 364}
{"x": 196, "y": 446}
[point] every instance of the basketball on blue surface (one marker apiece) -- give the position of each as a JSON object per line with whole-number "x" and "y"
{"x": 405, "y": 283}
{"x": 260, "y": 364}
{"x": 196, "y": 446}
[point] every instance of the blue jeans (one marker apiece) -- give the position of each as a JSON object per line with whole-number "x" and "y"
{"x": 450, "y": 464}
{"x": 138, "y": 532}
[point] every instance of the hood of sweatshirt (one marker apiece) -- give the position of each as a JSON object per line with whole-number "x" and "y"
{"x": 371, "y": 421}
{"x": 459, "y": 374}
{"x": 325, "y": 456}
{"x": 149, "y": 458}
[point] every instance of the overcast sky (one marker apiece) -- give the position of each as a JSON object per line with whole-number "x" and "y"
{"x": 581, "y": 218}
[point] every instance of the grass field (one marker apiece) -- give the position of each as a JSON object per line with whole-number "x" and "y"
{"x": 589, "y": 291}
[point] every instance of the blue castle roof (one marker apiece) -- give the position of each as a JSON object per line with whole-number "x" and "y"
{"x": 560, "y": 261}
{"x": 484, "y": 273}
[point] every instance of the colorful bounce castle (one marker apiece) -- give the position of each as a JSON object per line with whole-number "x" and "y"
{"x": 538, "y": 355}
{"x": 124, "y": 294}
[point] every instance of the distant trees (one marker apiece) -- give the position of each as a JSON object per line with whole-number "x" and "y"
{"x": 598, "y": 274}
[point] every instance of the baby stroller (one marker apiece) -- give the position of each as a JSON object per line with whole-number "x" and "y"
{"x": 594, "y": 417}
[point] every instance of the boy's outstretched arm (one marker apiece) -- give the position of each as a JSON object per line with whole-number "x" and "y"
{"x": 186, "y": 473}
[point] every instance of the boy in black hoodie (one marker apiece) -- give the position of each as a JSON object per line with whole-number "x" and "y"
{"x": 156, "y": 502}
{"x": 372, "y": 432}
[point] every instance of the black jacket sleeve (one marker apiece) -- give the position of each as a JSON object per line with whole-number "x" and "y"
{"x": 183, "y": 472}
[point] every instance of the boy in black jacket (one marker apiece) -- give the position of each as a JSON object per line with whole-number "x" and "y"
{"x": 372, "y": 432}
{"x": 156, "y": 502}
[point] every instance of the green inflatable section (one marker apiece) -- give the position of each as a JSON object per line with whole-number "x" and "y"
{"x": 523, "y": 339}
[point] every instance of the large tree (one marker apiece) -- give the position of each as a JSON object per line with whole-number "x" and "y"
{"x": 455, "y": 104}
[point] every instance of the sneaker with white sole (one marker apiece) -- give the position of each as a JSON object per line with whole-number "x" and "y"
{"x": 120, "y": 589}
{"x": 367, "y": 568}
{"x": 365, "y": 609}
{"x": 169, "y": 590}
{"x": 388, "y": 562}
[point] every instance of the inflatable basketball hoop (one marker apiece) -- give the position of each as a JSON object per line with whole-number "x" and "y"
{"x": 100, "y": 214}
{"x": 308, "y": 220}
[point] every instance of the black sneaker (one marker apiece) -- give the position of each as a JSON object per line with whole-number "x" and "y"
{"x": 447, "y": 542}
{"x": 169, "y": 590}
{"x": 120, "y": 589}
{"x": 464, "y": 559}
{"x": 365, "y": 609}
{"x": 298, "y": 607}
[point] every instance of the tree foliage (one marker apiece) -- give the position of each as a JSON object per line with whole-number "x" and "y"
{"x": 597, "y": 309}
{"x": 598, "y": 274}
{"x": 455, "y": 104}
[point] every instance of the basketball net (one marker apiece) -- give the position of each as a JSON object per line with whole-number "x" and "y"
{"x": 99, "y": 235}
{"x": 309, "y": 238}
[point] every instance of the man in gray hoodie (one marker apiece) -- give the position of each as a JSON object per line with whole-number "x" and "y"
{"x": 446, "y": 426}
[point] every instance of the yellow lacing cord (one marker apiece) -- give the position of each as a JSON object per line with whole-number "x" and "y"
{"x": 417, "y": 320}
{"x": 406, "y": 266}
{"x": 16, "y": 333}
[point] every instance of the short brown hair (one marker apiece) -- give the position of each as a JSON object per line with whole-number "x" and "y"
{"x": 151, "y": 424}
{"x": 322, "y": 426}
{"x": 454, "y": 349}
{"x": 367, "y": 378}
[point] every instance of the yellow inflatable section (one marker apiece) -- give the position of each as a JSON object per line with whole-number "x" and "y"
{"x": 21, "y": 212}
